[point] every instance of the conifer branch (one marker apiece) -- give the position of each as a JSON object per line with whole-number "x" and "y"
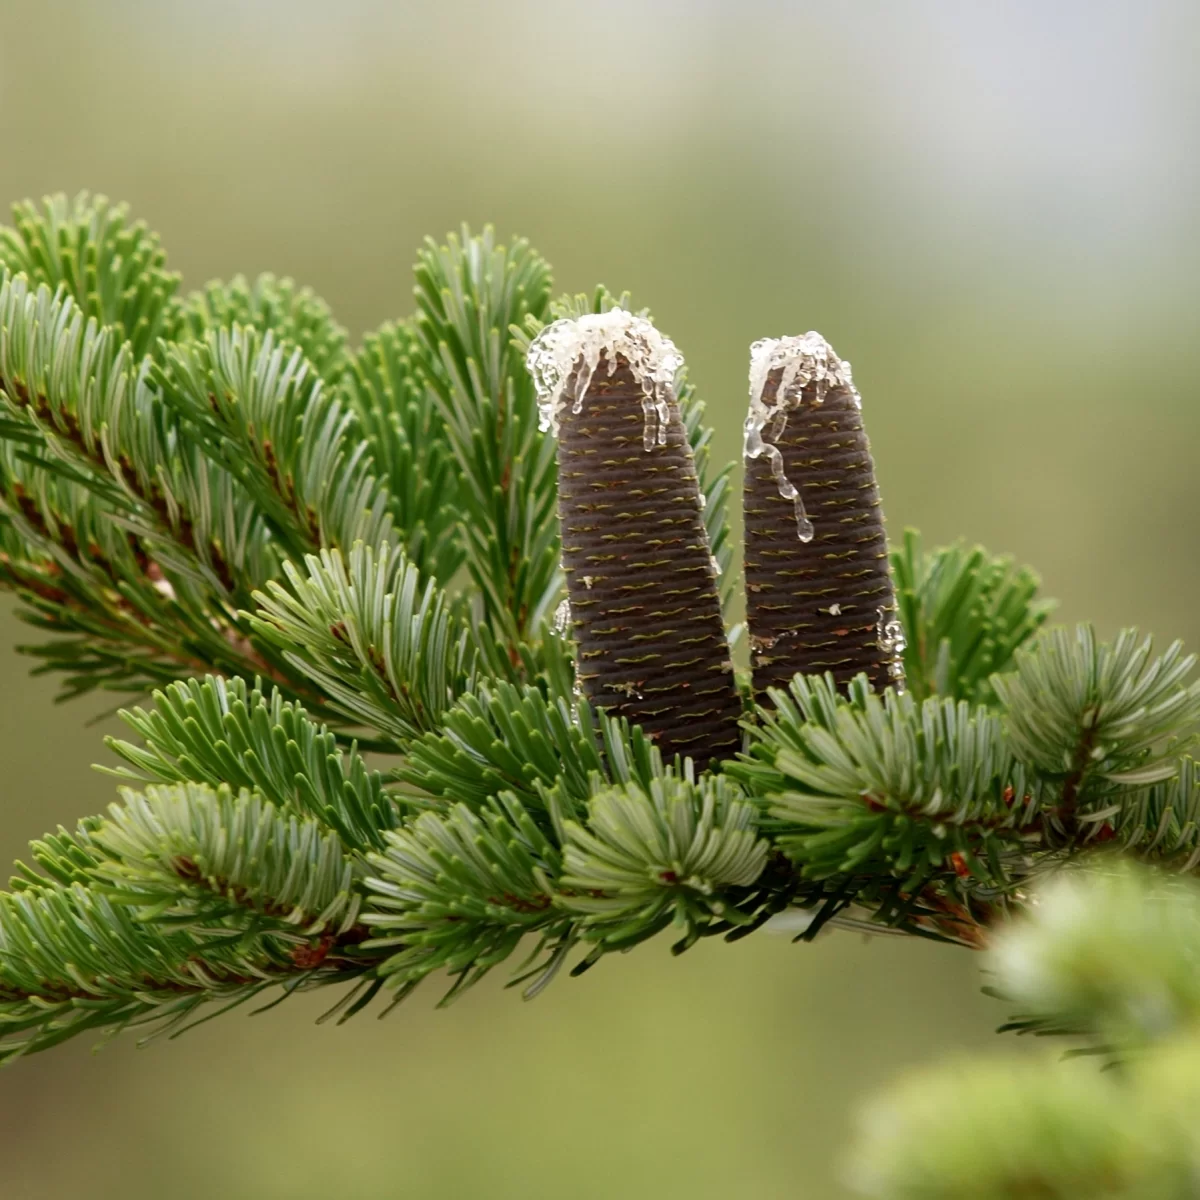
{"x": 397, "y": 410}
{"x": 223, "y": 732}
{"x": 295, "y": 316}
{"x": 966, "y": 612}
{"x": 370, "y": 635}
{"x": 264, "y": 414}
{"x": 114, "y": 270}
{"x": 199, "y": 493}
{"x": 470, "y": 291}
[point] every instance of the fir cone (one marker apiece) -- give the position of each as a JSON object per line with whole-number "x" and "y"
{"x": 641, "y": 579}
{"x": 818, "y": 593}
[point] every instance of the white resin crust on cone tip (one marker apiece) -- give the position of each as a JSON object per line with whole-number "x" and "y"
{"x": 565, "y": 356}
{"x": 801, "y": 361}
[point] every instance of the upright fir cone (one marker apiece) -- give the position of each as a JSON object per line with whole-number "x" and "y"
{"x": 641, "y": 578}
{"x": 818, "y": 593}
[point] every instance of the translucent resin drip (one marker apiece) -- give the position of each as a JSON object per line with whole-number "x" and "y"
{"x": 565, "y": 357}
{"x": 802, "y": 361}
{"x": 892, "y": 644}
{"x": 561, "y": 622}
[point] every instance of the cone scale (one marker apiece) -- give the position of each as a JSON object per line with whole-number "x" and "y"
{"x": 818, "y": 593}
{"x": 641, "y": 579}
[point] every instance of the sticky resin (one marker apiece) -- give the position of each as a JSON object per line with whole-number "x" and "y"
{"x": 561, "y": 622}
{"x": 566, "y": 355}
{"x": 801, "y": 361}
{"x": 892, "y": 644}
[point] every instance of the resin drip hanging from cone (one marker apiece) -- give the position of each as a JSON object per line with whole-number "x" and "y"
{"x": 818, "y": 593}
{"x": 641, "y": 578}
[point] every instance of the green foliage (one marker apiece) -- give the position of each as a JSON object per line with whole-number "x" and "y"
{"x": 458, "y": 891}
{"x": 217, "y": 731}
{"x": 382, "y": 645}
{"x": 1108, "y": 954}
{"x": 398, "y": 413}
{"x": 1160, "y": 822}
{"x": 201, "y": 493}
{"x": 871, "y": 787}
{"x": 91, "y": 449}
{"x": 509, "y": 739}
{"x": 72, "y": 959}
{"x": 470, "y": 291}
{"x": 266, "y": 416}
{"x": 1058, "y": 965}
{"x": 191, "y": 854}
{"x": 114, "y": 270}
{"x": 1080, "y": 711}
{"x": 647, "y": 857}
{"x": 965, "y": 613}
{"x": 296, "y": 316}
{"x": 1048, "y": 1133}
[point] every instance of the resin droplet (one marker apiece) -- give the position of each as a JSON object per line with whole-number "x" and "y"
{"x": 802, "y": 361}
{"x": 566, "y": 355}
{"x": 562, "y": 618}
{"x": 892, "y": 644}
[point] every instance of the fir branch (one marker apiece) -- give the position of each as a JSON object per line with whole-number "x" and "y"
{"x": 115, "y": 270}
{"x": 369, "y": 635}
{"x": 264, "y": 414}
{"x": 965, "y": 613}
{"x": 296, "y": 316}
{"x": 398, "y": 413}
{"x": 1159, "y": 823}
{"x": 649, "y": 857}
{"x": 194, "y": 856}
{"x": 217, "y": 731}
{"x": 89, "y": 415}
{"x": 1098, "y": 718}
{"x": 64, "y": 857}
{"x": 504, "y": 739}
{"x": 1056, "y": 965}
{"x": 73, "y": 960}
{"x": 458, "y": 891}
{"x": 1044, "y": 1132}
{"x": 470, "y": 291}
{"x": 883, "y": 787}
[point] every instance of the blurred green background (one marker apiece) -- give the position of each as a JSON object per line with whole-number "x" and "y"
{"x": 989, "y": 208}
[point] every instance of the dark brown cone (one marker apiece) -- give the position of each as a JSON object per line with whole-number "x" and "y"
{"x": 791, "y": 585}
{"x": 644, "y": 606}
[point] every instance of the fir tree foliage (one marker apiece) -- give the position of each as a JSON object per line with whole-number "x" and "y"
{"x": 368, "y": 633}
{"x": 261, "y": 410}
{"x": 1109, "y": 955}
{"x": 966, "y": 612}
{"x": 295, "y": 553}
{"x": 296, "y": 316}
{"x": 470, "y": 291}
{"x": 400, "y": 420}
{"x": 458, "y": 891}
{"x": 226, "y": 732}
{"x": 114, "y": 269}
{"x": 647, "y": 857}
